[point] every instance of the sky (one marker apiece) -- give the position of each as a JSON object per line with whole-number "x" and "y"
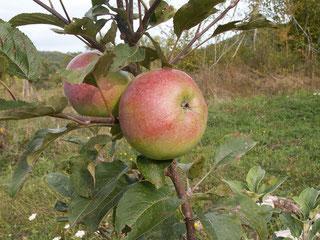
{"x": 41, "y": 35}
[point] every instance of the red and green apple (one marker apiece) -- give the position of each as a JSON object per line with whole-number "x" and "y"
{"x": 89, "y": 100}
{"x": 163, "y": 114}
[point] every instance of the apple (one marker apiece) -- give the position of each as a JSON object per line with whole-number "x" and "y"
{"x": 89, "y": 100}
{"x": 163, "y": 114}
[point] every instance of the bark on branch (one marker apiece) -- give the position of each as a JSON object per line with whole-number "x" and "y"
{"x": 172, "y": 173}
{"x": 145, "y": 21}
{"x": 86, "y": 120}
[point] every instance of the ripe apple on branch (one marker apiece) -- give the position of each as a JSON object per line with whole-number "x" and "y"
{"x": 89, "y": 100}
{"x": 161, "y": 113}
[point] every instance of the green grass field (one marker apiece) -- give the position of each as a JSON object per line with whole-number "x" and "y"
{"x": 286, "y": 127}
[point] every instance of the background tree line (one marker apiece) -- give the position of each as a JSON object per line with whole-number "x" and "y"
{"x": 289, "y": 49}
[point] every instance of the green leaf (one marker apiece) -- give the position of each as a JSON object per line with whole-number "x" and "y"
{"x": 35, "y": 18}
{"x": 314, "y": 230}
{"x": 98, "y": 2}
{"x": 40, "y": 141}
{"x": 234, "y": 147}
{"x": 110, "y": 36}
{"x": 91, "y": 146}
{"x": 83, "y": 75}
{"x": 81, "y": 179}
{"x": 99, "y": 69}
{"x": 96, "y": 11}
{"x": 61, "y": 206}
{"x": 150, "y": 56}
{"x": 143, "y": 207}
{"x": 4, "y": 65}
{"x": 23, "y": 57}
{"x": 307, "y": 200}
{"x": 75, "y": 140}
{"x": 10, "y": 104}
{"x": 221, "y": 226}
{"x": 82, "y": 166}
{"x": 192, "y": 13}
{"x": 84, "y": 27}
{"x": 62, "y": 219}
{"x": 197, "y": 168}
{"x": 110, "y": 185}
{"x": 164, "y": 60}
{"x": 124, "y": 55}
{"x": 236, "y": 186}
{"x": 153, "y": 170}
{"x": 254, "y": 178}
{"x": 60, "y": 183}
{"x": 10, "y": 110}
{"x": 267, "y": 189}
{"x": 193, "y": 169}
{"x": 257, "y": 20}
{"x": 170, "y": 229}
{"x": 225, "y": 27}
{"x": 294, "y": 224}
{"x": 92, "y": 211}
{"x": 162, "y": 13}
{"x": 254, "y": 216}
{"x": 116, "y": 132}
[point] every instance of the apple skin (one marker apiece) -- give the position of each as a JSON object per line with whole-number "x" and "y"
{"x": 163, "y": 114}
{"x": 88, "y": 100}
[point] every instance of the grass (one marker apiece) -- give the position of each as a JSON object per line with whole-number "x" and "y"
{"x": 285, "y": 127}
{"x": 287, "y": 130}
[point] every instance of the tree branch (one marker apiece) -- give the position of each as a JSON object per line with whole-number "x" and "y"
{"x": 51, "y": 10}
{"x": 50, "y": 2}
{"x": 86, "y": 120}
{"x": 174, "y": 47}
{"x": 143, "y": 26}
{"x": 123, "y": 25}
{"x": 120, "y": 4}
{"x": 133, "y": 68}
{"x": 8, "y": 90}
{"x": 144, "y": 5}
{"x": 90, "y": 42}
{"x": 172, "y": 173}
{"x": 65, "y": 11}
{"x": 140, "y": 12}
{"x": 130, "y": 15}
{"x": 198, "y": 35}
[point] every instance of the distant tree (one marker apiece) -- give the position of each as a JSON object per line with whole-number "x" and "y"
{"x": 304, "y": 33}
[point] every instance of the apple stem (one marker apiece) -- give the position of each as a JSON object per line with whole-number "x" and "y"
{"x": 172, "y": 173}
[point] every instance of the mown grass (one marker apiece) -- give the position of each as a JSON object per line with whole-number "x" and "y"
{"x": 287, "y": 129}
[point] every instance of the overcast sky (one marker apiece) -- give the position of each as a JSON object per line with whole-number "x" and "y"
{"x": 41, "y": 35}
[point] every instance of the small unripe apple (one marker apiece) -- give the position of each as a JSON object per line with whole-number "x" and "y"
{"x": 163, "y": 114}
{"x": 88, "y": 100}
